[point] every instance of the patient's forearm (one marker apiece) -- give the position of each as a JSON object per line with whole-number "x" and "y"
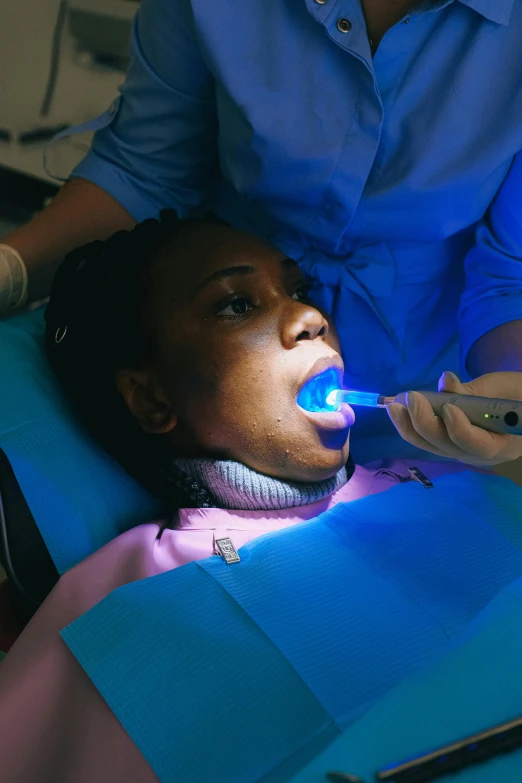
{"x": 81, "y": 212}
{"x": 497, "y": 351}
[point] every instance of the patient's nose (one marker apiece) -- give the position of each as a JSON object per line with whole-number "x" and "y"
{"x": 303, "y": 322}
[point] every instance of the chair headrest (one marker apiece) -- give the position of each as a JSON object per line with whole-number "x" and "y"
{"x": 78, "y": 496}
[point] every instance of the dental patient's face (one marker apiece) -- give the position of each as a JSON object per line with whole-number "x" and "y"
{"x": 237, "y": 340}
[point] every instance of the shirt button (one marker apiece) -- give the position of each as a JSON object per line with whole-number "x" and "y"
{"x": 320, "y": 2}
{"x": 344, "y": 25}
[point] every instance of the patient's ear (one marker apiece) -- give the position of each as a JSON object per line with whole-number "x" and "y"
{"x": 145, "y": 400}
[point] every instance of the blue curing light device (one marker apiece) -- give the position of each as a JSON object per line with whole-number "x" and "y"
{"x": 367, "y": 399}
{"x": 493, "y": 415}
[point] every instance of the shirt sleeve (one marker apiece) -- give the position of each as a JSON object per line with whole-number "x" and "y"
{"x": 493, "y": 267}
{"x": 160, "y": 148}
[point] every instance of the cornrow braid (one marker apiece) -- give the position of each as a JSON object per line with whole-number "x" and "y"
{"x": 94, "y": 325}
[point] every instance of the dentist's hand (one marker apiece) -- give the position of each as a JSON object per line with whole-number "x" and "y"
{"x": 453, "y": 435}
{"x": 13, "y": 280}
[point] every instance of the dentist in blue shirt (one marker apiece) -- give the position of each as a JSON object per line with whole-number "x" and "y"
{"x": 377, "y": 142}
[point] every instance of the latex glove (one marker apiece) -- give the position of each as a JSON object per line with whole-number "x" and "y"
{"x": 13, "y": 280}
{"x": 453, "y": 435}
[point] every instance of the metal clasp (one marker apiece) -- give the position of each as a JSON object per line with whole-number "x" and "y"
{"x": 227, "y": 550}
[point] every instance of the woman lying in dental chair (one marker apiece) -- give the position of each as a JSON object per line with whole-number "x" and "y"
{"x": 206, "y": 380}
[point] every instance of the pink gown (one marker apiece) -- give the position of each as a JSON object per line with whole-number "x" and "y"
{"x": 54, "y": 725}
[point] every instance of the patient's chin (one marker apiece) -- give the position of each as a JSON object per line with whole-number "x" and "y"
{"x": 302, "y": 460}
{"x": 325, "y": 465}
{"x": 335, "y": 441}
{"x": 306, "y": 471}
{"x": 325, "y": 459}
{"x": 332, "y": 467}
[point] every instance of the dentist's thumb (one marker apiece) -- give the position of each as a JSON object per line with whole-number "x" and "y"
{"x": 503, "y": 385}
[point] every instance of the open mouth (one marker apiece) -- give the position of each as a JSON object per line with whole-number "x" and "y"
{"x": 314, "y": 393}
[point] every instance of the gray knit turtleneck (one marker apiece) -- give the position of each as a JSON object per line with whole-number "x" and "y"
{"x": 234, "y": 486}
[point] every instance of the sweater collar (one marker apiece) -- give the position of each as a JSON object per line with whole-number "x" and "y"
{"x": 232, "y": 485}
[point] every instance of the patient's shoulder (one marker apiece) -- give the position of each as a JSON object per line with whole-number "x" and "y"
{"x": 127, "y": 558}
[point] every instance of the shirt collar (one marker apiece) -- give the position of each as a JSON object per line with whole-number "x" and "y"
{"x": 497, "y": 10}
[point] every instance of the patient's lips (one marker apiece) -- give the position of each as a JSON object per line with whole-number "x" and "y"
{"x": 341, "y": 419}
{"x": 324, "y": 377}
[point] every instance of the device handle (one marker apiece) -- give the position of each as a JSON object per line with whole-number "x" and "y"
{"x": 491, "y": 414}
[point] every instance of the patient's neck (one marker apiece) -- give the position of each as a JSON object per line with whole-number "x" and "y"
{"x": 234, "y": 486}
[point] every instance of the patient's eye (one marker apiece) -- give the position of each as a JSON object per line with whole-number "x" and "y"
{"x": 238, "y": 306}
{"x": 302, "y": 294}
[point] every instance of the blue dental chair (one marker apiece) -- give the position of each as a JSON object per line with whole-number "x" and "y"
{"x": 23, "y": 553}
{"x": 61, "y": 496}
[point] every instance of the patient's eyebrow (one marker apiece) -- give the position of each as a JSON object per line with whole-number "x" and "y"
{"x": 222, "y": 274}
{"x": 238, "y": 271}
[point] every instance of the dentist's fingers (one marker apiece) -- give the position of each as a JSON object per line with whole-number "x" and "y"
{"x": 431, "y": 427}
{"x": 479, "y": 445}
{"x": 452, "y": 435}
{"x": 403, "y": 424}
{"x": 504, "y": 385}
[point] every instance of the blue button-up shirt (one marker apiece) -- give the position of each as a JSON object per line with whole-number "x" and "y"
{"x": 395, "y": 180}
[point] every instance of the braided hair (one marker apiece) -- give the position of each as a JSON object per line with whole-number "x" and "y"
{"x": 95, "y": 325}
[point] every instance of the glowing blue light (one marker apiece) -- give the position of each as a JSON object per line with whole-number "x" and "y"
{"x": 339, "y": 396}
{"x": 313, "y": 396}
